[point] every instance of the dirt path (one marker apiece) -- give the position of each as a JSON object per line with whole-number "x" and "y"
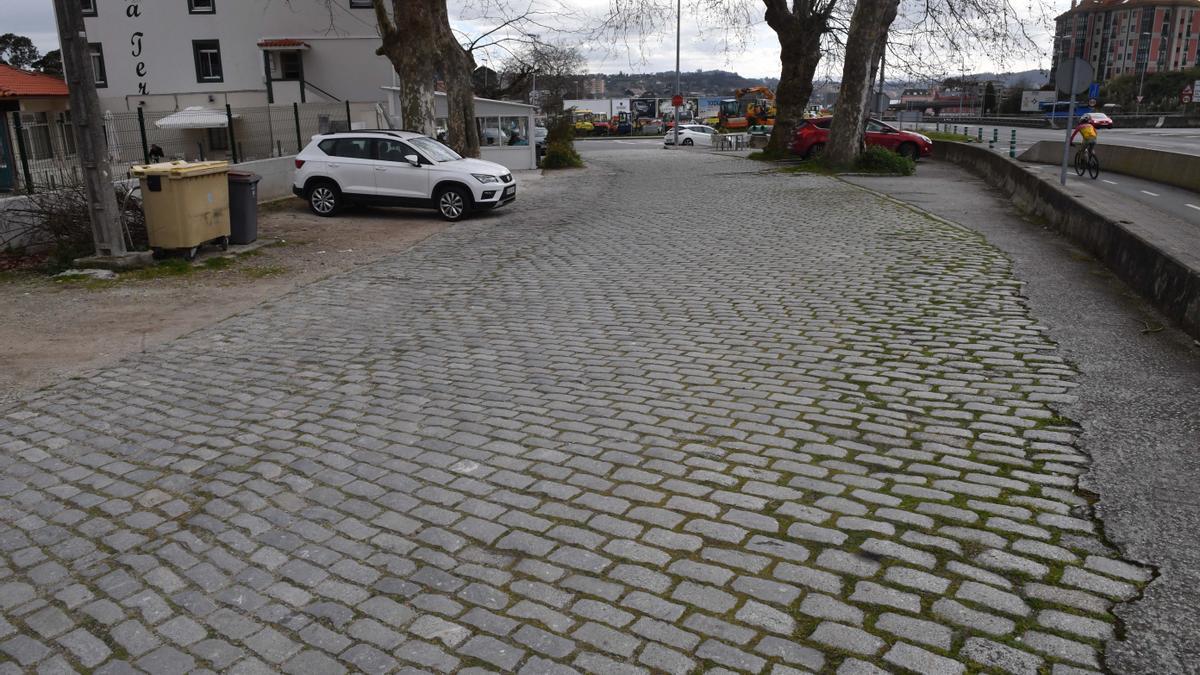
{"x": 50, "y": 330}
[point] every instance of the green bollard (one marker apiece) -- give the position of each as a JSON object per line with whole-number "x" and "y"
{"x": 1012, "y": 144}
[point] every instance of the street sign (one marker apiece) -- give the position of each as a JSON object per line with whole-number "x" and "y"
{"x": 1094, "y": 91}
{"x": 1195, "y": 87}
{"x": 1139, "y": 98}
{"x": 1185, "y": 96}
{"x": 1074, "y": 76}
{"x": 676, "y": 100}
{"x": 1092, "y": 103}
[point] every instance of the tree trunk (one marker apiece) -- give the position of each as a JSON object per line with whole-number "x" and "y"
{"x": 414, "y": 32}
{"x": 799, "y": 56}
{"x": 864, "y": 44}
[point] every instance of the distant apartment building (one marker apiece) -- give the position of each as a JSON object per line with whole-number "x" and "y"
{"x": 594, "y": 87}
{"x": 1129, "y": 37}
{"x": 171, "y": 54}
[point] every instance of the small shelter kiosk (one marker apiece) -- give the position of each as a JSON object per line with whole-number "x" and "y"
{"x": 506, "y": 128}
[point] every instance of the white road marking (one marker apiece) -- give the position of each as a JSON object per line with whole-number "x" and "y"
{"x": 1192, "y": 206}
{"x": 1152, "y": 194}
{"x": 1110, "y": 182}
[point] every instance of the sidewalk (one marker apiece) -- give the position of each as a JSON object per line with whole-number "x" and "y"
{"x": 1139, "y": 395}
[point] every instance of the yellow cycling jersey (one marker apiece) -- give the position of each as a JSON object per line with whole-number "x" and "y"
{"x": 1088, "y": 132}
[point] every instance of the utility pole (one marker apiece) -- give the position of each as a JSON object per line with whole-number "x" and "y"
{"x": 89, "y": 130}
{"x": 678, "y": 88}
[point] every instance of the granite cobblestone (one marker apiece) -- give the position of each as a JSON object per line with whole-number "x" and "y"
{"x": 558, "y": 440}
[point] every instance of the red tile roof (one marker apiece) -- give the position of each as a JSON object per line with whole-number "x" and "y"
{"x": 17, "y": 83}
{"x": 282, "y": 42}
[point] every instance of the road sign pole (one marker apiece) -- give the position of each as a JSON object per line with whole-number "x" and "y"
{"x": 678, "y": 89}
{"x": 1062, "y": 175}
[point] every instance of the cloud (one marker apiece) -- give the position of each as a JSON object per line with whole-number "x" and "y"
{"x": 701, "y": 49}
{"x": 34, "y": 20}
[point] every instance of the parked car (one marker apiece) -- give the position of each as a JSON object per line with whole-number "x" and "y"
{"x": 691, "y": 134}
{"x": 397, "y": 168}
{"x": 812, "y": 135}
{"x": 1098, "y": 120}
{"x": 649, "y": 125}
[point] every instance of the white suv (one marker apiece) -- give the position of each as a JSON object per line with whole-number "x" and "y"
{"x": 397, "y": 168}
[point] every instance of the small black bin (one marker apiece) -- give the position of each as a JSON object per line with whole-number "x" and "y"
{"x": 243, "y": 207}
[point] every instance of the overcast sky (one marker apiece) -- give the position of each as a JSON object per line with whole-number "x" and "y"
{"x": 700, "y": 50}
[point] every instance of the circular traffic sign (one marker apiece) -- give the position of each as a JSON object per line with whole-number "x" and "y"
{"x": 1092, "y": 103}
{"x": 676, "y": 100}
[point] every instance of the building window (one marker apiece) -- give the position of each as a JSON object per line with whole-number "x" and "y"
{"x": 202, "y": 7}
{"x": 89, "y": 7}
{"x": 97, "y": 52}
{"x": 208, "y": 60}
{"x": 35, "y": 130}
{"x": 289, "y": 65}
{"x": 361, "y": 4}
{"x": 218, "y": 139}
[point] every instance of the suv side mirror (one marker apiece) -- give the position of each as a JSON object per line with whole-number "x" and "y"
{"x": 413, "y": 159}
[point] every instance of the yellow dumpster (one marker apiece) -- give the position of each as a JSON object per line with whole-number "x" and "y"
{"x": 186, "y": 204}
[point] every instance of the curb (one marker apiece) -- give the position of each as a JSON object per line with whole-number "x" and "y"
{"x": 1170, "y": 284}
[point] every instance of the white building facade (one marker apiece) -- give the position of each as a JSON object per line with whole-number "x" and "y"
{"x": 172, "y": 54}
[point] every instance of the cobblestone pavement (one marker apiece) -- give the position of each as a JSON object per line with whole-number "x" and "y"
{"x": 736, "y": 422}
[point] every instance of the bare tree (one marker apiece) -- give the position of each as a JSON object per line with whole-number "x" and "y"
{"x": 422, "y": 48}
{"x": 544, "y": 71}
{"x": 864, "y": 45}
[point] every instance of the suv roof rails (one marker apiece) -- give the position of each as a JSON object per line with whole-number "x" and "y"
{"x": 382, "y": 131}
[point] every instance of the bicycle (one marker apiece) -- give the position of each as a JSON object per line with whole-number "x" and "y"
{"x": 1085, "y": 160}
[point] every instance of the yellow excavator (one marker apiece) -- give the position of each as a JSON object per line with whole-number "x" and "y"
{"x": 751, "y": 106}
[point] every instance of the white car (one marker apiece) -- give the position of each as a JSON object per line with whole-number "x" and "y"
{"x": 397, "y": 168}
{"x": 691, "y": 134}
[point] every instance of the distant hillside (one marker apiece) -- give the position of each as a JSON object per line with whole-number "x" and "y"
{"x": 695, "y": 83}
{"x": 1033, "y": 78}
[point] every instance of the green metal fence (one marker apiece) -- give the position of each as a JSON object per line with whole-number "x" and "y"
{"x": 43, "y": 144}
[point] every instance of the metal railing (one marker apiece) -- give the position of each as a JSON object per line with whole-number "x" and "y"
{"x": 43, "y": 145}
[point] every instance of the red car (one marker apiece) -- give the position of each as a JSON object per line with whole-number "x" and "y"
{"x": 1098, "y": 120}
{"x": 812, "y": 135}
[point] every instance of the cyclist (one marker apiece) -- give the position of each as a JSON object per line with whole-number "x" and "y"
{"x": 1087, "y": 133}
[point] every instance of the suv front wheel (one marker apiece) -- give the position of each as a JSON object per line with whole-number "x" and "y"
{"x": 324, "y": 198}
{"x": 453, "y": 203}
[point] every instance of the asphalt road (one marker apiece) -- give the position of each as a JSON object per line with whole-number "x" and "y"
{"x": 1175, "y": 140}
{"x": 1177, "y": 202}
{"x": 585, "y": 145}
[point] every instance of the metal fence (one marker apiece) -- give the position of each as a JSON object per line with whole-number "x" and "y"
{"x": 43, "y": 144}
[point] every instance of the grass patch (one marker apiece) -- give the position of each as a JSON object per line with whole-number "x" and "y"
{"x": 218, "y": 263}
{"x": 765, "y": 155}
{"x": 814, "y": 165}
{"x": 881, "y": 160}
{"x": 265, "y": 271}
{"x": 872, "y": 160}
{"x": 171, "y": 267}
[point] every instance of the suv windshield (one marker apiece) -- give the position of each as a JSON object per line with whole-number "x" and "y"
{"x": 433, "y": 150}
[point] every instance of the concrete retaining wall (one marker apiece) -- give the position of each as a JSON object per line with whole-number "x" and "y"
{"x": 1160, "y": 166}
{"x": 276, "y": 183}
{"x": 1170, "y": 285}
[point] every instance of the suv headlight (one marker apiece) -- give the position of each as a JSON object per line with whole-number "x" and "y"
{"x": 484, "y": 178}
